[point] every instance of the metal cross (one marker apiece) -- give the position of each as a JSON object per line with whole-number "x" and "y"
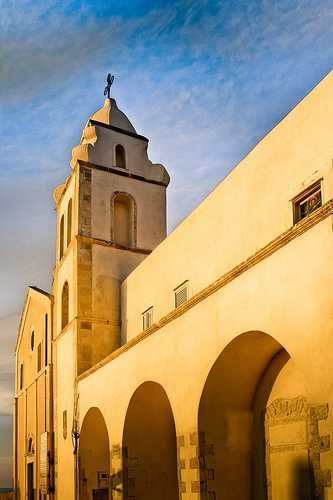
{"x": 107, "y": 89}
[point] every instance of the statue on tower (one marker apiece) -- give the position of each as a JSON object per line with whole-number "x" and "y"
{"x": 107, "y": 89}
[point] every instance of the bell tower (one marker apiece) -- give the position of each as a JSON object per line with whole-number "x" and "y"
{"x": 119, "y": 216}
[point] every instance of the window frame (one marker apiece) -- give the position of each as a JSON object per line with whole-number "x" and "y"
{"x": 179, "y": 289}
{"x": 148, "y": 318}
{"x": 303, "y": 197}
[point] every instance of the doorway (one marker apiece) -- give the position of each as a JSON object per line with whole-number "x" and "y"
{"x": 30, "y": 481}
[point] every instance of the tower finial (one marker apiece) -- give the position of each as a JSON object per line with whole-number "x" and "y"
{"x": 107, "y": 89}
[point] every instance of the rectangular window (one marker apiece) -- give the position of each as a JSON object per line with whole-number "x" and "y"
{"x": 147, "y": 318}
{"x": 181, "y": 294}
{"x": 308, "y": 201}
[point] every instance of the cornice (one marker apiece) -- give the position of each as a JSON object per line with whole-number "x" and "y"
{"x": 279, "y": 242}
{"x": 106, "y": 243}
{"x": 120, "y": 171}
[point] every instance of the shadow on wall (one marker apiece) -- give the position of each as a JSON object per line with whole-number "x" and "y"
{"x": 304, "y": 484}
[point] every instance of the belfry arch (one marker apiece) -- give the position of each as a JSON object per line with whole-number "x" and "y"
{"x": 231, "y": 418}
{"x": 94, "y": 457}
{"x": 149, "y": 446}
{"x": 123, "y": 220}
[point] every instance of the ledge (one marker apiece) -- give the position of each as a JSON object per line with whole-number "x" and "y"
{"x": 283, "y": 239}
{"x": 123, "y": 172}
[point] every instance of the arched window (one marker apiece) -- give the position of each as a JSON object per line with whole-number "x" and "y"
{"x": 39, "y": 357}
{"x": 30, "y": 445}
{"x": 69, "y": 222}
{"x": 62, "y": 237}
{"x": 32, "y": 340}
{"x": 64, "y": 305}
{"x": 120, "y": 156}
{"x": 123, "y": 220}
{"x": 21, "y": 376}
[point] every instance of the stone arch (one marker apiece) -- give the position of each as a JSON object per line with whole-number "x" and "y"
{"x": 123, "y": 220}
{"x": 150, "y": 446}
{"x": 94, "y": 457}
{"x": 231, "y": 417}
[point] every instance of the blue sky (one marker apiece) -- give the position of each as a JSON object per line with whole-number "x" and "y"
{"x": 204, "y": 80}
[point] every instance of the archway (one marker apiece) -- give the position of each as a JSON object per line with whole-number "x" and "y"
{"x": 94, "y": 457}
{"x": 150, "y": 447}
{"x": 123, "y": 220}
{"x": 231, "y": 418}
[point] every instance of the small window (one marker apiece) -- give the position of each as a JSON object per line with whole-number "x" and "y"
{"x": 39, "y": 357}
{"x": 120, "y": 156}
{"x": 64, "y": 305}
{"x": 64, "y": 424}
{"x": 30, "y": 445}
{"x": 147, "y": 318}
{"x": 32, "y": 340}
{"x": 307, "y": 202}
{"x": 62, "y": 237}
{"x": 181, "y": 294}
{"x": 21, "y": 375}
{"x": 69, "y": 222}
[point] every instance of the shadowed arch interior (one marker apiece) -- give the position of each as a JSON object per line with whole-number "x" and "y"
{"x": 94, "y": 457}
{"x": 123, "y": 226}
{"x": 230, "y": 420}
{"x": 150, "y": 446}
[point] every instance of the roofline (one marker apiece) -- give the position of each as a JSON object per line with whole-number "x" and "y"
{"x": 39, "y": 290}
{"x": 120, "y": 130}
{"x": 24, "y": 310}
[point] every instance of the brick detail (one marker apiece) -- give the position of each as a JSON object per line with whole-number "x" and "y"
{"x": 188, "y": 465}
{"x": 84, "y": 274}
{"x": 116, "y": 479}
{"x": 317, "y": 445}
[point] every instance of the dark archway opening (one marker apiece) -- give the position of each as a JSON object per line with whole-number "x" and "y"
{"x": 94, "y": 457}
{"x": 150, "y": 447}
{"x": 231, "y": 418}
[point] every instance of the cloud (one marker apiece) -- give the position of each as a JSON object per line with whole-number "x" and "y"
{"x": 203, "y": 80}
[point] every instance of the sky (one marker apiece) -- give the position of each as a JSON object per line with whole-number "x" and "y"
{"x": 204, "y": 80}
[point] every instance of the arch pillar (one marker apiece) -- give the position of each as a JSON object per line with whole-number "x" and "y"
{"x": 188, "y": 458}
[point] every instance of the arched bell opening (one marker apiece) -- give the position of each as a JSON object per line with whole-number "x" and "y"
{"x": 150, "y": 447}
{"x": 94, "y": 457}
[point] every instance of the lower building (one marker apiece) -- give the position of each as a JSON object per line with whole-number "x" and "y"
{"x": 193, "y": 366}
